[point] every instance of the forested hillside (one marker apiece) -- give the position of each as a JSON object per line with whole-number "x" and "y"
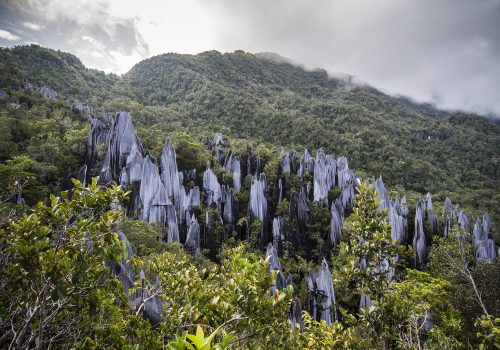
{"x": 233, "y": 201}
{"x": 414, "y": 147}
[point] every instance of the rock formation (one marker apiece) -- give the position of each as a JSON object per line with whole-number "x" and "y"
{"x": 232, "y": 164}
{"x": 419, "y": 242}
{"x": 120, "y": 140}
{"x": 47, "y": 92}
{"x": 322, "y": 295}
{"x": 325, "y": 171}
{"x": 212, "y": 188}
{"x": 193, "y": 237}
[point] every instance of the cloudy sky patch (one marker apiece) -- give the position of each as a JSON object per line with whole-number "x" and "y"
{"x": 8, "y": 36}
{"x": 446, "y": 52}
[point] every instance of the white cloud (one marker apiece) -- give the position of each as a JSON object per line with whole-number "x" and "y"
{"x": 8, "y": 35}
{"x": 32, "y": 26}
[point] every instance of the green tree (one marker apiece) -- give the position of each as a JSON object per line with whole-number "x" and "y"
{"x": 370, "y": 257}
{"x": 55, "y": 286}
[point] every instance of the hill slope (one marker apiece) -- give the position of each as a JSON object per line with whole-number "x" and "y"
{"x": 411, "y": 145}
{"x": 253, "y": 96}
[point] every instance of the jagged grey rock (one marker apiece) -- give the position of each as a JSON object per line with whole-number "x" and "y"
{"x": 278, "y": 234}
{"x": 119, "y": 142}
{"x": 342, "y": 171}
{"x": 152, "y": 193}
{"x": 299, "y": 215}
{"x": 419, "y": 241}
{"x": 484, "y": 246}
{"x": 447, "y": 205}
{"x": 258, "y": 201}
{"x": 229, "y": 212}
{"x": 172, "y": 225}
{"x": 340, "y": 209}
{"x": 306, "y": 164}
{"x": 281, "y": 189}
{"x": 218, "y": 140}
{"x": 47, "y": 92}
{"x": 82, "y": 175}
{"x": 272, "y": 257}
{"x": 463, "y": 220}
{"x": 82, "y": 108}
{"x": 296, "y": 320}
{"x": 335, "y": 226}
{"x": 254, "y": 164}
{"x": 322, "y": 294}
{"x": 405, "y": 210}
{"x": 433, "y": 222}
{"x": 171, "y": 177}
{"x": 325, "y": 169}
{"x": 397, "y": 221}
{"x": 289, "y": 162}
{"x": 382, "y": 195}
{"x": 212, "y": 188}
{"x": 132, "y": 172}
{"x": 232, "y": 164}
{"x": 97, "y": 135}
{"x": 428, "y": 202}
{"x": 151, "y": 305}
{"x": 347, "y": 196}
{"x": 193, "y": 237}
{"x": 365, "y": 301}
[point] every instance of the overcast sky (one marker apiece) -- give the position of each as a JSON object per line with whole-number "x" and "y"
{"x": 442, "y": 51}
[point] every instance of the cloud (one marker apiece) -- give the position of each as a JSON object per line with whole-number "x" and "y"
{"x": 32, "y": 26}
{"x": 84, "y": 28}
{"x": 4, "y": 34}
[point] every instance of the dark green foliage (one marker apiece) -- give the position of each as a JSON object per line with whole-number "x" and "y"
{"x": 414, "y": 147}
{"x": 145, "y": 238}
{"x": 58, "y": 70}
{"x": 450, "y": 259}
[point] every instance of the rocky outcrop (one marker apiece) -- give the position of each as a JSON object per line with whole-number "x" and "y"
{"x": 171, "y": 177}
{"x": 47, "y": 92}
{"x": 258, "y": 201}
{"x": 149, "y": 304}
{"x": 289, "y": 162}
{"x": 419, "y": 241}
{"x": 278, "y": 234}
{"x": 325, "y": 171}
{"x": 322, "y": 295}
{"x": 172, "y": 225}
{"x": 98, "y": 134}
{"x": 232, "y": 164}
{"x": 229, "y": 211}
{"x": 82, "y": 108}
{"x": 193, "y": 237}
{"x": 335, "y": 226}
{"x": 484, "y": 246}
{"x": 212, "y": 188}
{"x": 152, "y": 193}
{"x": 299, "y": 216}
{"x": 295, "y": 313}
{"x": 120, "y": 140}
{"x": 306, "y": 164}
